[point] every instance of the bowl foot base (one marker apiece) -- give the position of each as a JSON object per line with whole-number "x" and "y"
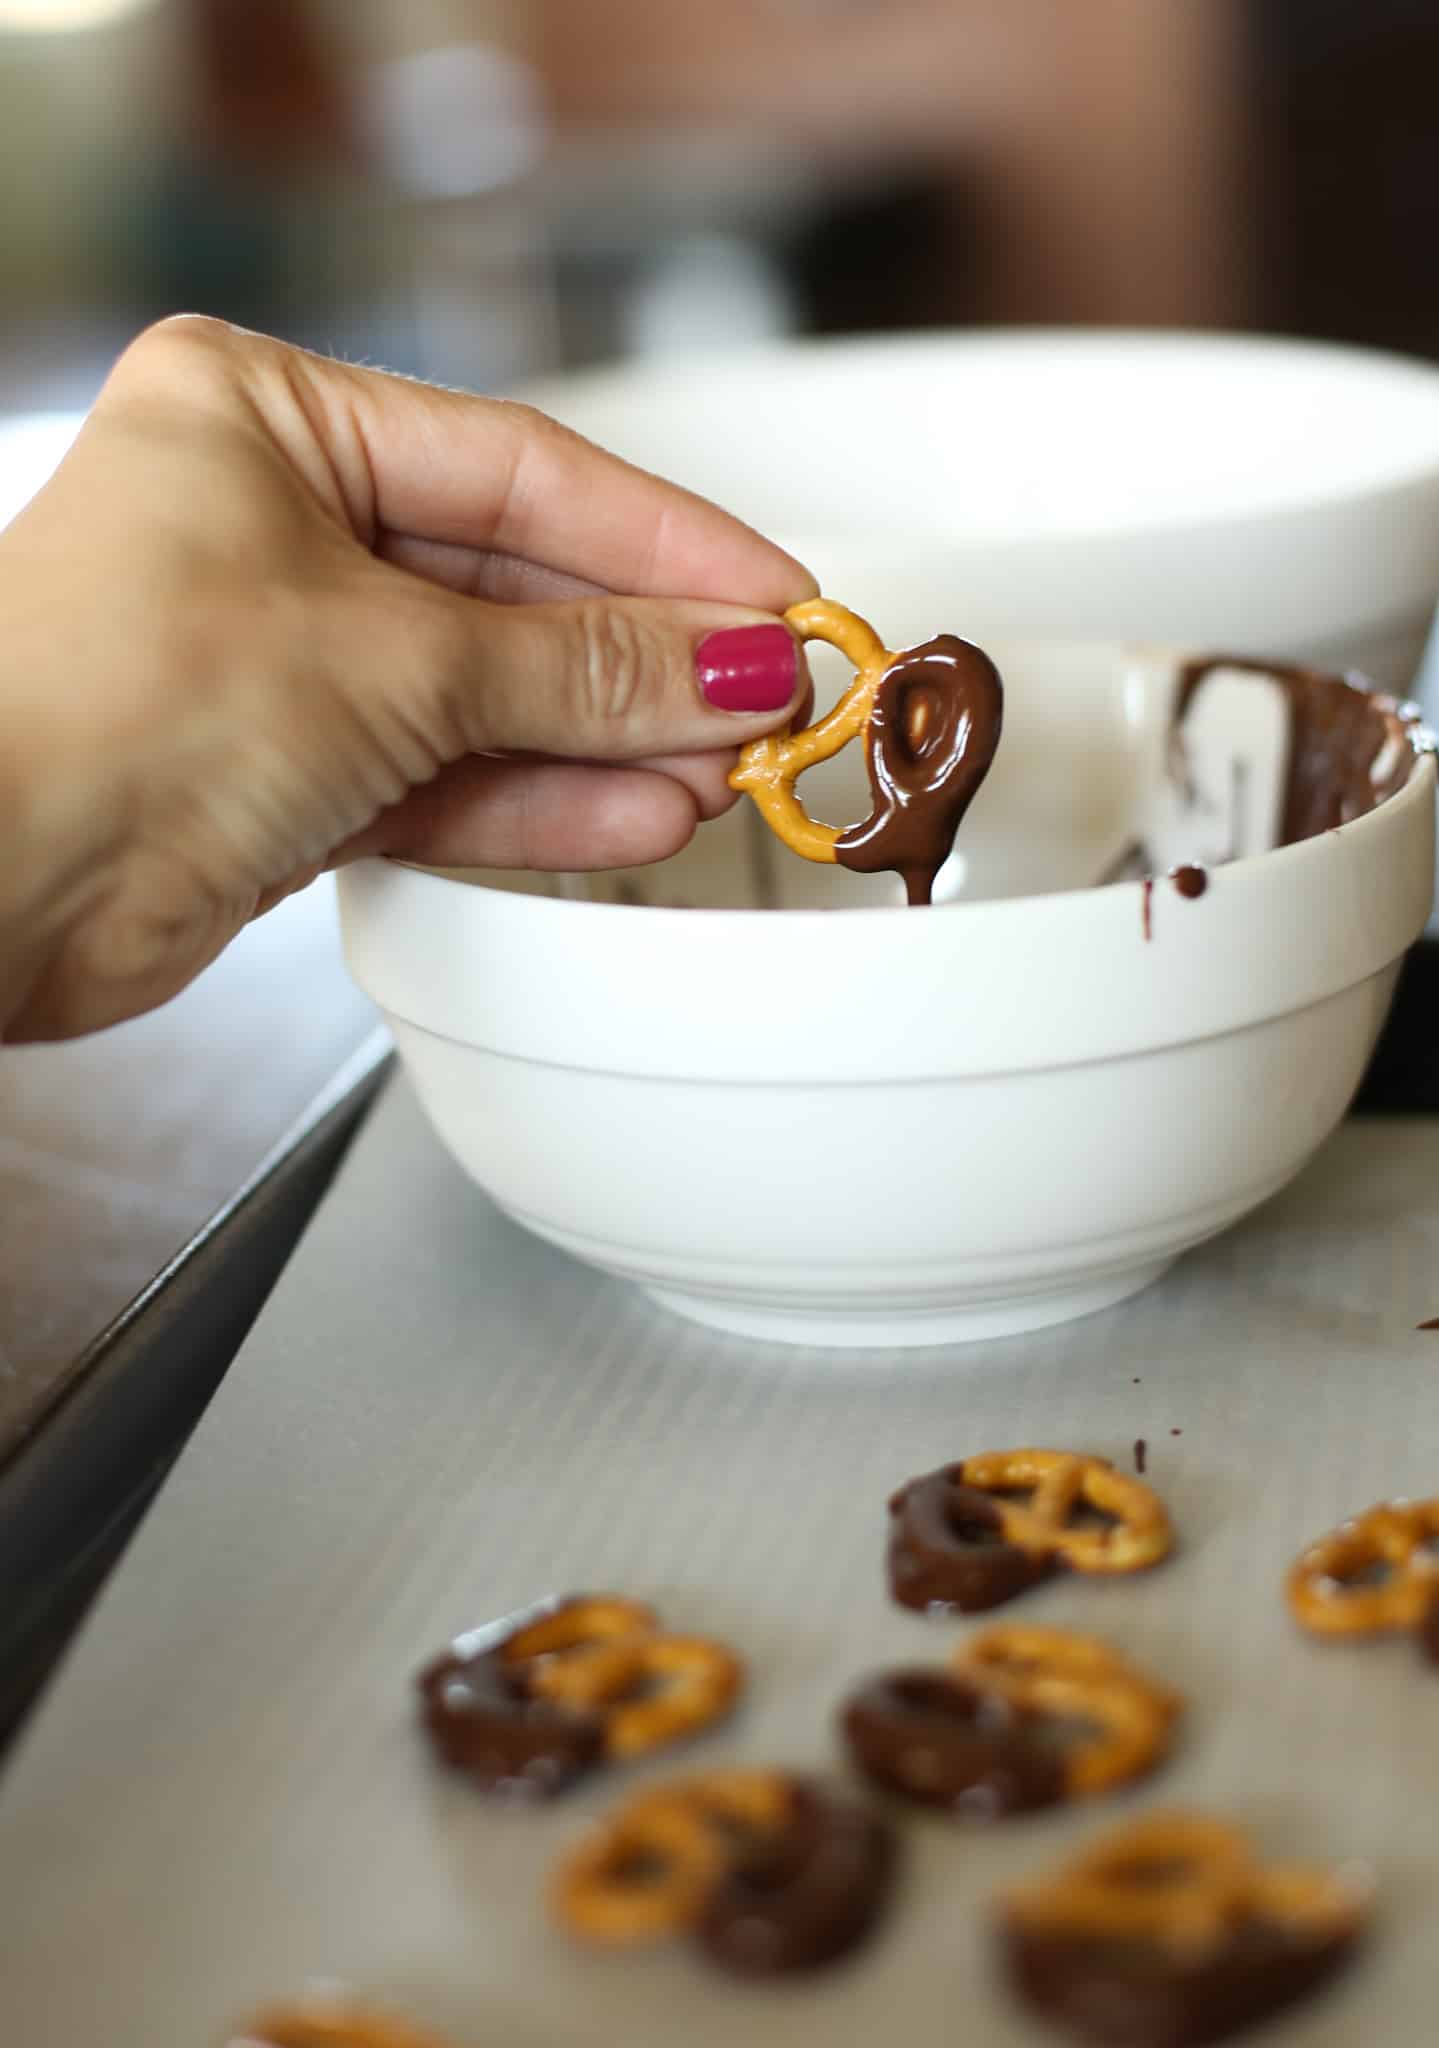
{"x": 897, "y": 1329}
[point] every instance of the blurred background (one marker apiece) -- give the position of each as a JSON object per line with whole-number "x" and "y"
{"x": 474, "y": 190}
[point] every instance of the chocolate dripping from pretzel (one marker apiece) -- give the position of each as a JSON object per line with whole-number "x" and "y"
{"x": 932, "y": 736}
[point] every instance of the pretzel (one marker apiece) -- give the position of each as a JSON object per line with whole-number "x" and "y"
{"x": 1071, "y": 1677}
{"x": 329, "y": 2026}
{"x": 652, "y": 1868}
{"x": 768, "y": 768}
{"x": 1184, "y": 1882}
{"x": 576, "y": 1624}
{"x": 1059, "y": 1481}
{"x": 528, "y": 1704}
{"x": 1396, "y": 1533}
{"x": 694, "y": 1681}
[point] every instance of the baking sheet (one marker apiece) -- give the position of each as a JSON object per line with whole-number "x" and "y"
{"x": 437, "y": 1417}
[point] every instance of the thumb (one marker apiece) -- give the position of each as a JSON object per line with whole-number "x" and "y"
{"x": 614, "y": 678}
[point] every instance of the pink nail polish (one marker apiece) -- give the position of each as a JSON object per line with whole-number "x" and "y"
{"x": 747, "y": 668}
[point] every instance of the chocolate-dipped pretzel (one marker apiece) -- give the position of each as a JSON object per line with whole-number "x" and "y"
{"x": 528, "y": 1704}
{"x": 770, "y": 1873}
{"x": 1022, "y": 1718}
{"x": 978, "y": 1532}
{"x": 931, "y": 717}
{"x": 1170, "y": 1933}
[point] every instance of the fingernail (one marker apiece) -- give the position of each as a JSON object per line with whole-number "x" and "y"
{"x": 747, "y": 668}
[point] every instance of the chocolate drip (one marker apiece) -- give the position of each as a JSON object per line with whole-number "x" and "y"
{"x": 932, "y": 736}
{"x": 1339, "y": 733}
{"x": 1190, "y": 881}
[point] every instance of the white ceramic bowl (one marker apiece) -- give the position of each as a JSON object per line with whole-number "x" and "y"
{"x": 866, "y": 1125}
{"x": 1279, "y": 497}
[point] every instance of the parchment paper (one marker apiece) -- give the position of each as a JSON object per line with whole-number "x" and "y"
{"x": 437, "y": 1418}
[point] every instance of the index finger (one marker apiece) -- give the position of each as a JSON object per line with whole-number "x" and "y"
{"x": 492, "y": 475}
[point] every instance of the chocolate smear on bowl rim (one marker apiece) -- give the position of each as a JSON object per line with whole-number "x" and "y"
{"x": 1351, "y": 747}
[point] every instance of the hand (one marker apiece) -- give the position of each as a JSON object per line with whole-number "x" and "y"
{"x": 273, "y": 612}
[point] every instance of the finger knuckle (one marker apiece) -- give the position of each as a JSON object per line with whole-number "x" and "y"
{"x": 618, "y": 667}
{"x": 180, "y": 338}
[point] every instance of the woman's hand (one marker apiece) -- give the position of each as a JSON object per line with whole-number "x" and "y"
{"x": 273, "y": 612}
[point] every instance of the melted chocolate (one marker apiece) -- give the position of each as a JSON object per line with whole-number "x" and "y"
{"x": 1190, "y": 881}
{"x": 1146, "y": 907}
{"x": 1132, "y": 1993}
{"x": 483, "y": 1719}
{"x": 805, "y": 1896}
{"x": 932, "y": 1739}
{"x": 1341, "y": 737}
{"x": 932, "y": 736}
{"x": 946, "y": 1548}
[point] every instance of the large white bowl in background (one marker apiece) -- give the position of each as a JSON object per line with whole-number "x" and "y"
{"x": 864, "y": 1125}
{"x": 1272, "y": 496}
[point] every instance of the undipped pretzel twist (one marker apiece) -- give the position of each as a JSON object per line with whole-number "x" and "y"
{"x": 1397, "y": 1534}
{"x": 649, "y": 1692}
{"x": 1076, "y": 1678}
{"x": 769, "y": 767}
{"x": 1057, "y": 1483}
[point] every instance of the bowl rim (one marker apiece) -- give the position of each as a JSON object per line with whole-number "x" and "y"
{"x": 970, "y": 991}
{"x": 1406, "y": 474}
{"x": 1382, "y": 817}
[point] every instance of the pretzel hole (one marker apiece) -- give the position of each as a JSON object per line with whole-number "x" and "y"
{"x": 1152, "y": 1873}
{"x": 1057, "y": 1734}
{"x": 651, "y": 1685}
{"x": 1373, "y": 1571}
{"x": 640, "y": 1869}
{"x": 1083, "y": 1516}
{"x": 975, "y": 1531}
